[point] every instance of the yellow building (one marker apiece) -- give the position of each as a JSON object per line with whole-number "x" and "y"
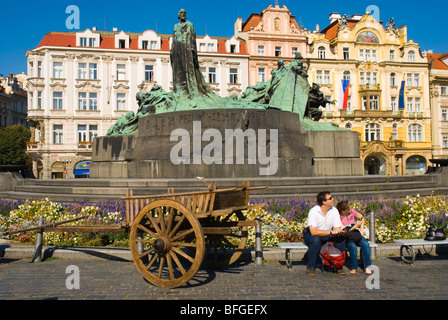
{"x": 388, "y": 100}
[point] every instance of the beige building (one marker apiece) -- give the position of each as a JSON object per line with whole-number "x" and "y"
{"x": 80, "y": 83}
{"x": 439, "y": 103}
{"x": 377, "y": 59}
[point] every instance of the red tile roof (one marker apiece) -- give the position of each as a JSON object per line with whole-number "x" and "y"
{"x": 437, "y": 58}
{"x": 68, "y": 39}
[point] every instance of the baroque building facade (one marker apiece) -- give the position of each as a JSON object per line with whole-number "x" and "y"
{"x": 387, "y": 101}
{"x": 438, "y": 64}
{"x": 80, "y": 83}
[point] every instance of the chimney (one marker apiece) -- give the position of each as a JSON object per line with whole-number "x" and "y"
{"x": 334, "y": 16}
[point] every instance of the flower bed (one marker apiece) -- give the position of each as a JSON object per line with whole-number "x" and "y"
{"x": 282, "y": 221}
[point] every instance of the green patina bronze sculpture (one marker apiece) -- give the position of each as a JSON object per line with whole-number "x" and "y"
{"x": 287, "y": 90}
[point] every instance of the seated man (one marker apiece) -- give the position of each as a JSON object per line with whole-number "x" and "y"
{"x": 324, "y": 224}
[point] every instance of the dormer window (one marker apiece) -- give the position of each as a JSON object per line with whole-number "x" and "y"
{"x": 87, "y": 39}
{"x": 149, "y": 40}
{"x": 207, "y": 44}
{"x": 321, "y": 52}
{"x": 122, "y": 40}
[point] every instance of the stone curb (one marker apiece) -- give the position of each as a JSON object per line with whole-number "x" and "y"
{"x": 124, "y": 254}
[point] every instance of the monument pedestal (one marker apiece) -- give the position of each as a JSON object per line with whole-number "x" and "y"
{"x": 225, "y": 143}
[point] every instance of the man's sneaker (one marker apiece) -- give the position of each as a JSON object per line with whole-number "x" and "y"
{"x": 310, "y": 272}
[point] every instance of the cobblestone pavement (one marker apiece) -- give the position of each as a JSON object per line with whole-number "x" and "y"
{"x": 120, "y": 280}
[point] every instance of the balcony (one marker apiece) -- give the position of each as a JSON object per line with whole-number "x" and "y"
{"x": 369, "y": 87}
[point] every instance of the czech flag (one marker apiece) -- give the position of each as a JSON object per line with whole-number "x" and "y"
{"x": 343, "y": 98}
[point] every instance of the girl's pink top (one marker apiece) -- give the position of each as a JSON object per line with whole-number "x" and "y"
{"x": 350, "y": 219}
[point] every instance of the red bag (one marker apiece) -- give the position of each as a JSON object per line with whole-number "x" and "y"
{"x": 332, "y": 256}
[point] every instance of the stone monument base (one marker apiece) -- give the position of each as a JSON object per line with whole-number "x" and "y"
{"x": 226, "y": 143}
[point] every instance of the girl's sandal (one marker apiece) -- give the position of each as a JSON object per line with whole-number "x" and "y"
{"x": 353, "y": 271}
{"x": 368, "y": 271}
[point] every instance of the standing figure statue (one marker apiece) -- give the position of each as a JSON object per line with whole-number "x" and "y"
{"x": 187, "y": 78}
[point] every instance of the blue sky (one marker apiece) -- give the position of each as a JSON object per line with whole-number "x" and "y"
{"x": 24, "y": 23}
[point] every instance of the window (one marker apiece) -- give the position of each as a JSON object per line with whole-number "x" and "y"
{"x": 93, "y": 73}
{"x": 39, "y": 69}
{"x": 393, "y": 102}
{"x": 121, "y": 72}
{"x": 392, "y": 55}
{"x": 261, "y": 74}
{"x": 373, "y": 132}
{"x": 211, "y": 75}
{"x": 327, "y": 78}
{"x": 374, "y": 103}
{"x": 57, "y": 101}
{"x": 445, "y": 142}
{"x": 415, "y": 133}
{"x": 82, "y": 133}
{"x": 122, "y": 44}
{"x": 346, "y": 53}
{"x": 418, "y": 105}
{"x": 411, "y": 56}
{"x": 368, "y": 78}
{"x": 444, "y": 114}
{"x": 92, "y": 42}
{"x": 416, "y": 80}
{"x": 82, "y": 71}
{"x": 319, "y": 79}
{"x": 93, "y": 101}
{"x": 413, "y": 79}
{"x": 83, "y": 42}
{"x": 121, "y": 101}
{"x": 85, "y": 135}
{"x": 57, "y": 70}
{"x": 58, "y": 134}
{"x": 294, "y": 50}
{"x": 87, "y": 42}
{"x": 149, "y": 73}
{"x": 154, "y": 45}
{"x": 202, "y": 47}
{"x": 278, "y": 51}
{"x": 39, "y": 100}
{"x": 31, "y": 100}
{"x": 144, "y": 44}
{"x": 82, "y": 101}
{"x": 392, "y": 80}
{"x": 347, "y": 75}
{"x": 394, "y": 131}
{"x": 93, "y": 132}
{"x": 443, "y": 91}
{"x": 261, "y": 50}
{"x": 210, "y": 47}
{"x": 233, "y": 76}
{"x": 410, "y": 104}
{"x": 321, "y": 53}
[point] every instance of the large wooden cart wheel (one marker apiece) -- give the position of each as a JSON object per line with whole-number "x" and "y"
{"x": 160, "y": 239}
{"x": 226, "y": 244}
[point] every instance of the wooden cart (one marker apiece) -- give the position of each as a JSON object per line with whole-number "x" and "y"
{"x": 172, "y": 235}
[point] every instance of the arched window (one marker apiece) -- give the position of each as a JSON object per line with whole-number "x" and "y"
{"x": 321, "y": 52}
{"x": 348, "y": 126}
{"x": 373, "y": 132}
{"x": 347, "y": 75}
{"x": 415, "y": 133}
{"x": 411, "y": 56}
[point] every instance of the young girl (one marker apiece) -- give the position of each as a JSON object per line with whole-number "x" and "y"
{"x": 348, "y": 218}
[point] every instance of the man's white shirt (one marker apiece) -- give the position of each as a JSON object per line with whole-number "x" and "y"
{"x": 321, "y": 222}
